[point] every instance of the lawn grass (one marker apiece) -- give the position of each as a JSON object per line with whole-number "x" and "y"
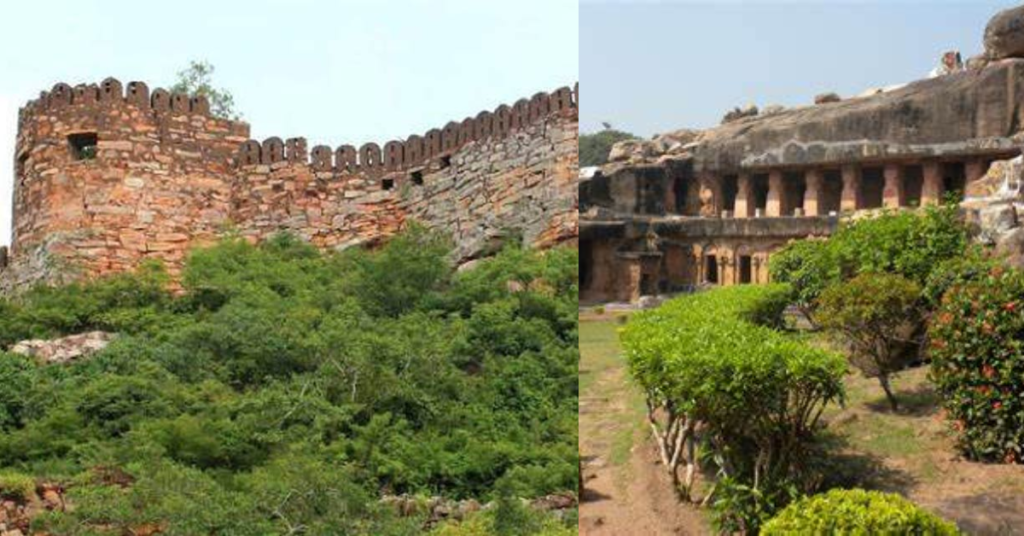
{"x": 600, "y": 356}
{"x": 599, "y": 348}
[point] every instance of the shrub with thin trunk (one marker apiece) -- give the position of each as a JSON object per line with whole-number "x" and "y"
{"x": 718, "y": 378}
{"x": 878, "y": 316}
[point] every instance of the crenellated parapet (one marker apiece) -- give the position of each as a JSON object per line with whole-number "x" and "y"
{"x": 416, "y": 150}
{"x": 113, "y": 93}
{"x": 109, "y": 175}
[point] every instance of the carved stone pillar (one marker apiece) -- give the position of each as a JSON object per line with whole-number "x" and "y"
{"x": 670, "y": 196}
{"x": 814, "y": 193}
{"x": 931, "y": 190}
{"x": 974, "y": 170}
{"x": 892, "y": 194}
{"x": 851, "y": 198}
{"x": 725, "y": 268}
{"x": 633, "y": 272}
{"x": 776, "y": 194}
{"x": 744, "y": 207}
{"x": 710, "y": 195}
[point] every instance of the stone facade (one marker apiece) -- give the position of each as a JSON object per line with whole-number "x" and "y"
{"x": 710, "y": 209}
{"x": 108, "y": 176}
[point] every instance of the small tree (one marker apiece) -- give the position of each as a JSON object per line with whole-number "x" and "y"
{"x": 808, "y": 266}
{"x": 594, "y": 148}
{"x": 197, "y": 79}
{"x": 878, "y": 315}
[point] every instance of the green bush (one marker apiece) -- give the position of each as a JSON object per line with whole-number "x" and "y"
{"x": 125, "y": 302}
{"x": 289, "y": 388}
{"x": 16, "y": 487}
{"x": 856, "y": 511}
{"x": 594, "y": 148}
{"x": 976, "y": 344}
{"x": 757, "y": 391}
{"x": 909, "y": 244}
{"x": 808, "y": 266}
{"x": 878, "y": 316}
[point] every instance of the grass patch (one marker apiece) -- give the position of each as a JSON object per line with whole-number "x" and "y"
{"x": 16, "y": 486}
{"x": 599, "y": 349}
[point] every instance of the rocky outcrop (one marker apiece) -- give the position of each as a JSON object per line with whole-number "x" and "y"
{"x": 439, "y": 509}
{"x": 677, "y": 142}
{"x": 64, "y": 349}
{"x": 16, "y": 514}
{"x": 1004, "y": 34}
{"x": 994, "y": 206}
{"x": 968, "y": 112}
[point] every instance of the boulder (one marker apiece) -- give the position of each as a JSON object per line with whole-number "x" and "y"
{"x": 977, "y": 63}
{"x": 64, "y": 349}
{"x": 749, "y": 110}
{"x": 826, "y": 98}
{"x": 1001, "y": 180}
{"x": 1011, "y": 246}
{"x": 995, "y": 221}
{"x": 633, "y": 151}
{"x": 1004, "y": 34}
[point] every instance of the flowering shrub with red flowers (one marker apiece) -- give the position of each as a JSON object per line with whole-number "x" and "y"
{"x": 976, "y": 342}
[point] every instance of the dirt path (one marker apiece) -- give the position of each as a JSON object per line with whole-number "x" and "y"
{"x": 626, "y": 490}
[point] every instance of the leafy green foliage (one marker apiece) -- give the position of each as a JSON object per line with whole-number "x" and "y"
{"x": 16, "y": 486}
{"x": 758, "y": 391}
{"x": 124, "y": 303}
{"x": 808, "y": 266}
{"x": 878, "y": 316}
{"x": 285, "y": 388}
{"x": 856, "y": 511}
{"x": 197, "y": 79}
{"x": 594, "y": 148}
{"x": 909, "y": 244}
{"x": 977, "y": 350}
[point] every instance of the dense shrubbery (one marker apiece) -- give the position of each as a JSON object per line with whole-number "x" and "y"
{"x": 286, "y": 388}
{"x": 909, "y": 244}
{"x": 710, "y": 358}
{"x": 856, "y": 511}
{"x": 977, "y": 351}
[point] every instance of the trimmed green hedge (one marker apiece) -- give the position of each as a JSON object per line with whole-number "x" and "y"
{"x": 758, "y": 392}
{"x": 856, "y": 511}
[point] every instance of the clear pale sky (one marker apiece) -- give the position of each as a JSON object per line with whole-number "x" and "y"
{"x": 650, "y": 67}
{"x": 332, "y": 71}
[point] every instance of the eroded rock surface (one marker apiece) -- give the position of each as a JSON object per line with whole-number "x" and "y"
{"x": 64, "y": 349}
{"x": 1004, "y": 34}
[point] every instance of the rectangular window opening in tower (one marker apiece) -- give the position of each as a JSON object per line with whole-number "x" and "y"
{"x": 417, "y": 178}
{"x": 387, "y": 184}
{"x": 83, "y": 145}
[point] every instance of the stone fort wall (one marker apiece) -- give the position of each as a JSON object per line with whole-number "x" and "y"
{"x": 107, "y": 176}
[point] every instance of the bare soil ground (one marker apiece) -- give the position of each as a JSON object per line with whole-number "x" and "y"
{"x": 911, "y": 452}
{"x": 627, "y": 492}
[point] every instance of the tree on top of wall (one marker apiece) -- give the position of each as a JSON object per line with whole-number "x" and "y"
{"x": 197, "y": 80}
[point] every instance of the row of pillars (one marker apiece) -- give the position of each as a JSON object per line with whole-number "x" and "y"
{"x": 731, "y": 268}
{"x": 851, "y": 197}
